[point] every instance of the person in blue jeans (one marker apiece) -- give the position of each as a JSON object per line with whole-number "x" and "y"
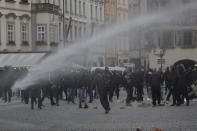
{"x": 71, "y": 95}
{"x": 83, "y": 86}
{"x": 83, "y": 97}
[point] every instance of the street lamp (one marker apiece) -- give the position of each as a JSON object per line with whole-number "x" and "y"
{"x": 161, "y": 53}
{"x": 64, "y": 23}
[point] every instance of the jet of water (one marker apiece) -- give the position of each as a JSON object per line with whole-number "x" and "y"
{"x": 60, "y": 60}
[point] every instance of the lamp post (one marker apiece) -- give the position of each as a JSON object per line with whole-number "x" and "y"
{"x": 160, "y": 54}
{"x": 63, "y": 23}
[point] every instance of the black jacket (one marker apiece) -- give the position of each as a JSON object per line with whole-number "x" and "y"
{"x": 155, "y": 80}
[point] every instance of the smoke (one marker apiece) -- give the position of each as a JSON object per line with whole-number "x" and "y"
{"x": 61, "y": 60}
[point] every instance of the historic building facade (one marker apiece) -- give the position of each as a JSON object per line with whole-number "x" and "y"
{"x": 174, "y": 41}
{"x": 43, "y": 25}
{"x": 177, "y": 40}
{"x": 116, "y": 12}
{"x": 79, "y": 20}
{"x": 15, "y": 26}
{"x": 95, "y": 9}
{"x": 28, "y": 26}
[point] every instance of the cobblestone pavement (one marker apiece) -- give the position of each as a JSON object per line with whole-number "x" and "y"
{"x": 18, "y": 116}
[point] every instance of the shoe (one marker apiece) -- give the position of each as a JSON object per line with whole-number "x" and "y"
{"x": 128, "y": 104}
{"x": 86, "y": 106}
{"x": 187, "y": 104}
{"x": 173, "y": 104}
{"x": 52, "y": 104}
{"x": 178, "y": 104}
{"x": 106, "y": 111}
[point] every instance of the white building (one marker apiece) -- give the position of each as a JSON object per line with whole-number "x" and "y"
{"x": 28, "y": 26}
{"x": 83, "y": 18}
{"x": 95, "y": 15}
{"x": 37, "y": 25}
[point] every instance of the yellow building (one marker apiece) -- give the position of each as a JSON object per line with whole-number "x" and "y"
{"x": 110, "y": 16}
{"x": 110, "y": 11}
{"x": 115, "y": 12}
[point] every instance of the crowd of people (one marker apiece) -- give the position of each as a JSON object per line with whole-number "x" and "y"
{"x": 178, "y": 83}
{"x": 103, "y": 84}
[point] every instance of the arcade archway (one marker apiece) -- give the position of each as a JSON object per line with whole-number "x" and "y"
{"x": 186, "y": 62}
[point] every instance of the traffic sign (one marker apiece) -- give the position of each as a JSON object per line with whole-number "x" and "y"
{"x": 161, "y": 61}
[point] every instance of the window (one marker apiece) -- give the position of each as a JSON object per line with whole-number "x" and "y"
{"x": 91, "y": 11}
{"x": 0, "y": 29}
{"x": 71, "y": 33}
{"x": 187, "y": 39}
{"x": 53, "y": 34}
{"x": 101, "y": 13}
{"x": 59, "y": 3}
{"x": 84, "y": 13}
{"x": 96, "y": 14}
{"x": 71, "y": 10}
{"x": 65, "y": 33}
{"x": 65, "y": 4}
{"x": 24, "y": 32}
{"x": 118, "y": 1}
{"x": 79, "y": 32}
{"x": 75, "y": 7}
{"x": 113, "y": 11}
{"x": 41, "y": 33}
{"x": 80, "y": 8}
{"x": 75, "y": 32}
{"x": 84, "y": 31}
{"x": 11, "y": 1}
{"x": 123, "y": 2}
{"x": 10, "y": 33}
{"x": 24, "y": 2}
{"x": 167, "y": 39}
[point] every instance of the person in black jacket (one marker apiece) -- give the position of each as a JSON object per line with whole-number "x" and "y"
{"x": 114, "y": 86}
{"x": 129, "y": 84}
{"x": 155, "y": 83}
{"x": 72, "y": 80}
{"x": 176, "y": 89}
{"x": 182, "y": 83}
{"x": 35, "y": 95}
{"x": 139, "y": 78}
{"x": 103, "y": 81}
{"x": 7, "y": 83}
